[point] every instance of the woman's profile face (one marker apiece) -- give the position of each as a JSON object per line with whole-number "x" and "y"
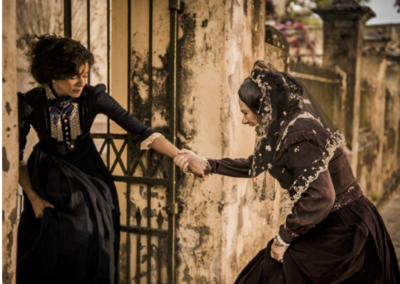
{"x": 249, "y": 117}
{"x": 73, "y": 86}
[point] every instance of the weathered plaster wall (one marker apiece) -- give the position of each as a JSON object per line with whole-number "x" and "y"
{"x": 201, "y": 91}
{"x": 244, "y": 45}
{"x": 219, "y": 225}
{"x": 34, "y": 17}
{"x": 371, "y": 140}
{"x": 10, "y": 145}
{"x": 392, "y": 130}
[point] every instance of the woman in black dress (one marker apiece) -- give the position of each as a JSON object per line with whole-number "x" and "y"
{"x": 69, "y": 229}
{"x": 332, "y": 233}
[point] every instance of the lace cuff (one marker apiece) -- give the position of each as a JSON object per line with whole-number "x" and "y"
{"x": 145, "y": 145}
{"x": 279, "y": 242}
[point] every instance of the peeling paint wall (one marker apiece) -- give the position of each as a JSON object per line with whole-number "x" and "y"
{"x": 220, "y": 227}
{"x": 34, "y": 17}
{"x": 372, "y": 138}
{"x": 392, "y": 130}
{"x": 201, "y": 90}
{"x": 10, "y": 145}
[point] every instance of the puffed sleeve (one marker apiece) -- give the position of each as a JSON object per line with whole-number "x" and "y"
{"x": 313, "y": 190}
{"x": 24, "y": 123}
{"x": 231, "y": 167}
{"x": 105, "y": 104}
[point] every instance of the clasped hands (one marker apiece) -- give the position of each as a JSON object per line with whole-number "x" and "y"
{"x": 189, "y": 161}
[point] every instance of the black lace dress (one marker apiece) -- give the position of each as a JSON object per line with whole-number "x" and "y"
{"x": 78, "y": 240}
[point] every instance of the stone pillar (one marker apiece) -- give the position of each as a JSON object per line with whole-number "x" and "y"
{"x": 344, "y": 22}
{"x": 373, "y": 138}
{"x": 393, "y": 88}
{"x": 10, "y": 142}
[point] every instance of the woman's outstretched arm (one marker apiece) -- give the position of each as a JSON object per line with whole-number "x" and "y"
{"x": 226, "y": 166}
{"x": 163, "y": 146}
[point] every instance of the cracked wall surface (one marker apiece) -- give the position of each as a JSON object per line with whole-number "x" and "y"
{"x": 9, "y": 147}
{"x": 220, "y": 227}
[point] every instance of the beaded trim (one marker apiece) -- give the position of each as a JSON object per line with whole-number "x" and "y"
{"x": 301, "y": 184}
{"x": 74, "y": 123}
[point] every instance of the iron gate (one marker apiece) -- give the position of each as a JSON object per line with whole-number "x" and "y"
{"x": 146, "y": 181}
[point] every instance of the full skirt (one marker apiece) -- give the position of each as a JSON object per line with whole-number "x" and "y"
{"x": 351, "y": 245}
{"x": 77, "y": 241}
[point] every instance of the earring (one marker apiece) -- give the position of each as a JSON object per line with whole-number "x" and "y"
{"x": 53, "y": 81}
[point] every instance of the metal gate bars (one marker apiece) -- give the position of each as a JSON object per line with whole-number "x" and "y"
{"x": 145, "y": 180}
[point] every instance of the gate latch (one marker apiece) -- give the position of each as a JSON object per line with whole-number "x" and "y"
{"x": 172, "y": 209}
{"x": 176, "y": 5}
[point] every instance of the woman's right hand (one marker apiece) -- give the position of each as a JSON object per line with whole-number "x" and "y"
{"x": 196, "y": 164}
{"x": 38, "y": 205}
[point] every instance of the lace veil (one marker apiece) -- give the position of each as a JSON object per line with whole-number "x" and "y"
{"x": 283, "y": 100}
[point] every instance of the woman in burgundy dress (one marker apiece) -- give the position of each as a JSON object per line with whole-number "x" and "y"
{"x": 333, "y": 234}
{"x": 69, "y": 228}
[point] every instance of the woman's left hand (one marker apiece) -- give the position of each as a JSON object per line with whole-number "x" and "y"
{"x": 278, "y": 252}
{"x": 187, "y": 159}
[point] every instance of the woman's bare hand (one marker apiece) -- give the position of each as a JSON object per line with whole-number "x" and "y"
{"x": 278, "y": 252}
{"x": 186, "y": 159}
{"x": 39, "y": 204}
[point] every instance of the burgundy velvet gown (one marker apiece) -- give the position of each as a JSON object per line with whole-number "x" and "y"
{"x": 336, "y": 235}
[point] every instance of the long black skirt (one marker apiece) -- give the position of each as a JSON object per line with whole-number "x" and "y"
{"x": 350, "y": 246}
{"x": 78, "y": 240}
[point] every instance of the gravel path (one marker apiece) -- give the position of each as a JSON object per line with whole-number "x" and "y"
{"x": 391, "y": 215}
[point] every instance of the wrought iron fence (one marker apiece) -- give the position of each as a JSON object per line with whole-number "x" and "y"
{"x": 145, "y": 240}
{"x": 146, "y": 181}
{"x": 324, "y": 84}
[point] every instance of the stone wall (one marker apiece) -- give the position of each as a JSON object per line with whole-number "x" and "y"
{"x": 372, "y": 135}
{"x": 216, "y": 226}
{"x": 10, "y": 147}
{"x": 368, "y": 56}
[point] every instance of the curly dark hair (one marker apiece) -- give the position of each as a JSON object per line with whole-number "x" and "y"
{"x": 56, "y": 58}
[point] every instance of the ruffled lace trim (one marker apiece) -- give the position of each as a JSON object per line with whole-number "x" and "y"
{"x": 299, "y": 136}
{"x": 145, "y": 145}
{"x": 301, "y": 115}
{"x": 301, "y": 185}
{"x": 330, "y": 144}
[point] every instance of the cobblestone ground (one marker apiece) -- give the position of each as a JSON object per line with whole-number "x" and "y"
{"x": 391, "y": 215}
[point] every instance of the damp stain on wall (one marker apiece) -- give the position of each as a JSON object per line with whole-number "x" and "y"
{"x": 6, "y": 162}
